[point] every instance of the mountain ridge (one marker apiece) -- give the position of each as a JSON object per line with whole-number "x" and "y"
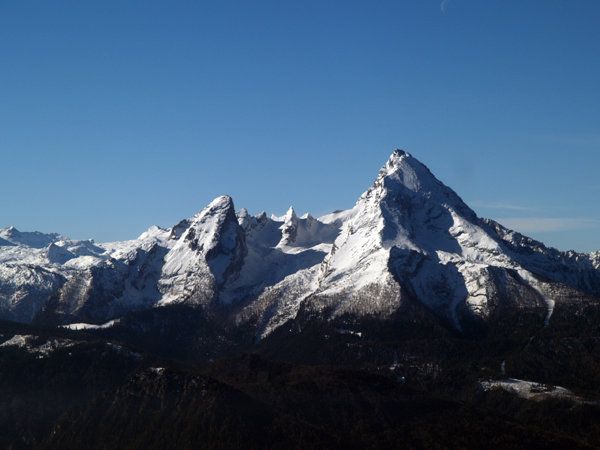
{"x": 408, "y": 237}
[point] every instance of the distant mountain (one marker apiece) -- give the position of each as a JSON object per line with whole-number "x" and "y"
{"x": 34, "y": 239}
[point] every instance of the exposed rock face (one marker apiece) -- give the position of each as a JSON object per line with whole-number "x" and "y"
{"x": 409, "y": 237}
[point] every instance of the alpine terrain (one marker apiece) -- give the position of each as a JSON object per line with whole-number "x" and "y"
{"x": 405, "y": 321}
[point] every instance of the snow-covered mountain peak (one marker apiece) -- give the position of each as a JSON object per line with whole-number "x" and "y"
{"x": 214, "y": 229}
{"x": 245, "y": 220}
{"x": 220, "y": 203}
{"x": 305, "y": 231}
{"x": 289, "y": 226}
{"x": 408, "y": 170}
{"x": 290, "y": 215}
{"x": 405, "y": 191}
{"x": 397, "y": 157}
{"x": 33, "y": 239}
{"x": 402, "y": 170}
{"x": 154, "y": 232}
{"x": 406, "y": 222}
{"x": 207, "y": 253}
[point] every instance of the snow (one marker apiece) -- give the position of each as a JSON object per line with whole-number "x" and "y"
{"x": 22, "y": 255}
{"x": 595, "y": 257}
{"x": 337, "y": 217}
{"x": 128, "y": 250}
{"x": 156, "y": 233}
{"x": 17, "y": 340}
{"x": 200, "y": 259}
{"x": 83, "y": 262}
{"x": 58, "y": 254}
{"x": 280, "y": 302}
{"x": 42, "y": 347}
{"x": 280, "y": 266}
{"x": 33, "y": 239}
{"x": 536, "y": 285}
{"x": 91, "y": 326}
{"x": 24, "y": 289}
{"x": 358, "y": 258}
{"x": 409, "y": 228}
{"x": 306, "y": 231}
{"x": 530, "y": 389}
{"x": 351, "y": 332}
{"x": 35, "y": 345}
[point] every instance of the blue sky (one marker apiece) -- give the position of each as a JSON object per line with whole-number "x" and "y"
{"x": 116, "y": 115}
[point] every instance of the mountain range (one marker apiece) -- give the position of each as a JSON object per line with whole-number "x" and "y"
{"x": 406, "y": 321}
{"x": 408, "y": 236}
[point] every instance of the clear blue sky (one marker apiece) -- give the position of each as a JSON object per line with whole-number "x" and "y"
{"x": 118, "y": 114}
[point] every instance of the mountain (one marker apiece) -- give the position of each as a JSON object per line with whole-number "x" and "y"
{"x": 408, "y": 238}
{"x": 35, "y": 239}
{"x": 411, "y": 236}
{"x": 205, "y": 256}
{"x": 406, "y": 321}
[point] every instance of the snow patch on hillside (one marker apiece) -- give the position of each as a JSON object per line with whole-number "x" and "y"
{"x": 530, "y": 390}
{"x": 91, "y": 326}
{"x": 36, "y": 345}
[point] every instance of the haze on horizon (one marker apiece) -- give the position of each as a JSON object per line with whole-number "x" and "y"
{"x": 124, "y": 114}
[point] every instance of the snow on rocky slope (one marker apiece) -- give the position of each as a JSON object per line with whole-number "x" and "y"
{"x": 408, "y": 236}
{"x": 411, "y": 236}
{"x": 441, "y": 253}
{"x": 530, "y": 389}
{"x": 34, "y": 239}
{"x": 206, "y": 255}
